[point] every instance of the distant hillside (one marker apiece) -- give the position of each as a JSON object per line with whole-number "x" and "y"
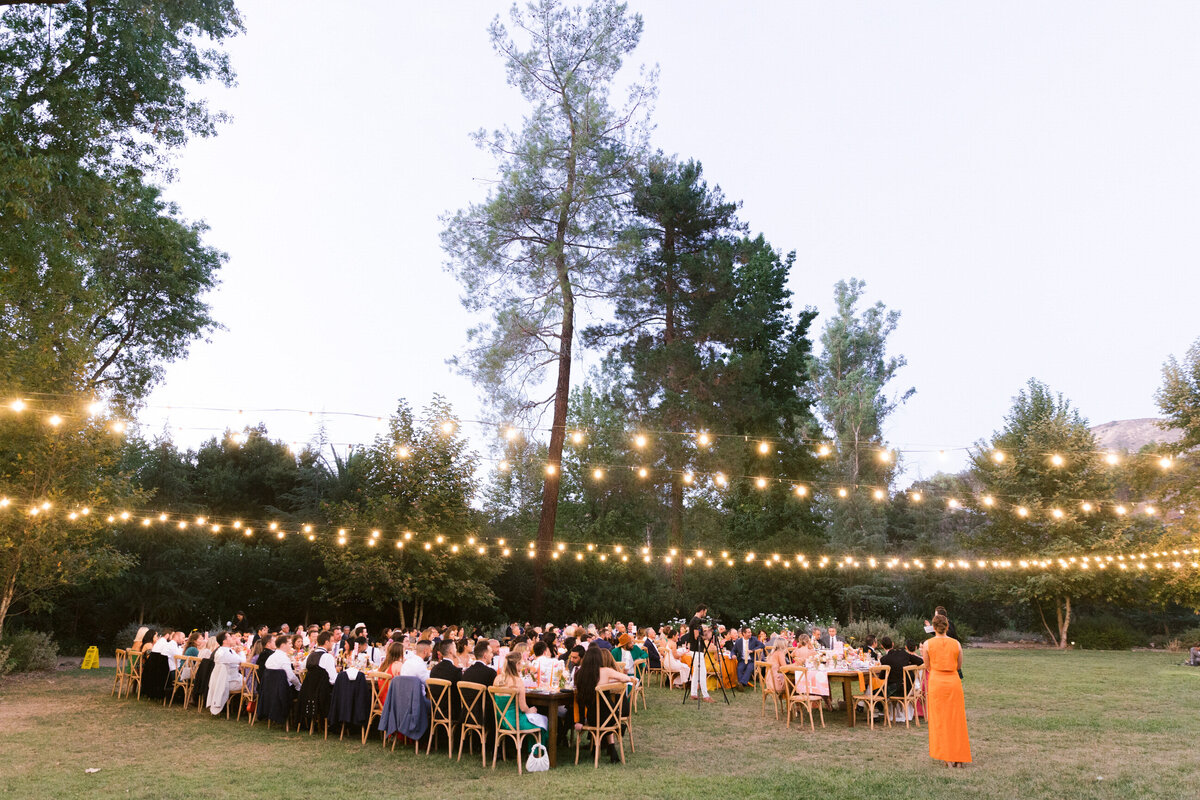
{"x": 1133, "y": 434}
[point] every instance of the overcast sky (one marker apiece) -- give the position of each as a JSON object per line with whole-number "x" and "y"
{"x": 1019, "y": 179}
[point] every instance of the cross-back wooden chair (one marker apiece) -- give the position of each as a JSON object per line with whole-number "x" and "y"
{"x": 504, "y": 700}
{"x": 185, "y": 678}
{"x": 119, "y": 676}
{"x": 607, "y": 719}
{"x": 762, "y": 671}
{"x": 875, "y": 695}
{"x": 640, "y": 670}
{"x": 800, "y": 696}
{"x": 134, "y": 677}
{"x": 913, "y": 685}
{"x": 248, "y": 694}
{"x": 472, "y": 700}
{"x": 625, "y": 716}
{"x": 376, "y": 678}
{"x": 439, "y": 712}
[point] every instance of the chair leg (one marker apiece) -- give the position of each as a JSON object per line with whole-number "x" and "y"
{"x": 596, "y": 739}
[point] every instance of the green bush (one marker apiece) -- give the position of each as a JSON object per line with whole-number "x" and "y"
{"x": 124, "y": 637}
{"x": 856, "y": 632}
{"x": 28, "y": 651}
{"x": 5, "y": 664}
{"x": 1104, "y": 632}
{"x": 1023, "y": 637}
{"x": 1188, "y": 638}
{"x": 911, "y": 628}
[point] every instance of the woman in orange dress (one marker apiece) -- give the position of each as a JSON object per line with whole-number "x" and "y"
{"x": 947, "y": 709}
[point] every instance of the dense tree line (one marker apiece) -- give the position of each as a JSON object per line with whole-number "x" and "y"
{"x": 587, "y": 239}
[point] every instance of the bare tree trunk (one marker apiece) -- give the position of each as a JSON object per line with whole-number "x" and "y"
{"x": 403, "y": 626}
{"x": 1046, "y": 625}
{"x": 10, "y": 590}
{"x": 419, "y": 612}
{"x": 1063, "y": 609}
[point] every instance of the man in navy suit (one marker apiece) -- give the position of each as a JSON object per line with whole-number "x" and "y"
{"x": 744, "y": 650}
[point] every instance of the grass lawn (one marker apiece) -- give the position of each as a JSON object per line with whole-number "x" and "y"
{"x": 1042, "y": 724}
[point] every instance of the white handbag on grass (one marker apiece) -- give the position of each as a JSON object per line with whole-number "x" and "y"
{"x": 539, "y": 758}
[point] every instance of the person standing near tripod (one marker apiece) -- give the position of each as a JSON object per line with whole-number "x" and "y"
{"x": 697, "y": 645}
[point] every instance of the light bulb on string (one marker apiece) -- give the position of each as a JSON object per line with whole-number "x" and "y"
{"x": 801, "y": 491}
{"x": 448, "y": 427}
{"x": 916, "y": 497}
{"x": 703, "y": 439}
{"x": 885, "y": 456}
{"x": 1165, "y": 462}
{"x": 823, "y": 450}
{"x": 403, "y": 451}
{"x": 688, "y": 478}
{"x": 577, "y": 437}
{"x": 764, "y": 448}
{"x": 17, "y": 405}
{"x": 551, "y": 469}
{"x": 843, "y": 493}
{"x": 1057, "y": 460}
{"x": 998, "y": 456}
{"x": 643, "y": 472}
{"x": 989, "y": 501}
{"x": 639, "y": 441}
{"x": 879, "y": 495}
{"x": 1112, "y": 458}
{"x": 54, "y": 421}
{"x": 598, "y": 474}
{"x": 761, "y": 483}
{"x": 511, "y": 434}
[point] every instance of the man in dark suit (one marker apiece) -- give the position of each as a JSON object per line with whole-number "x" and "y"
{"x": 831, "y": 640}
{"x": 653, "y": 657}
{"x": 481, "y": 672}
{"x": 744, "y": 649}
{"x": 951, "y": 631}
{"x": 897, "y": 658}
{"x": 447, "y": 670}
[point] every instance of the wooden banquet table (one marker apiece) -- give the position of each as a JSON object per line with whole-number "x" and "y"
{"x": 850, "y": 679}
{"x": 549, "y": 703}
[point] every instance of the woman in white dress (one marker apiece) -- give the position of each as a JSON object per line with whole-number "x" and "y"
{"x": 671, "y": 662}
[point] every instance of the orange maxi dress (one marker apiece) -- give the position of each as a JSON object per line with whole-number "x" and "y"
{"x": 947, "y": 709}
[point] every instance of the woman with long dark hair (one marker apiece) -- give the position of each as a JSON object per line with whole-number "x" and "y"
{"x": 593, "y": 673}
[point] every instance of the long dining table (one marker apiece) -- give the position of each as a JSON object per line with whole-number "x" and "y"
{"x": 549, "y": 703}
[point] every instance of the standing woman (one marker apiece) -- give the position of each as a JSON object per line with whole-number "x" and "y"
{"x": 947, "y": 709}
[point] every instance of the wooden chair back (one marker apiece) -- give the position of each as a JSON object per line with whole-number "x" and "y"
{"x": 376, "y": 679}
{"x": 640, "y": 671}
{"x": 119, "y": 676}
{"x": 248, "y": 694}
{"x": 504, "y": 699}
{"x": 471, "y": 701}
{"x": 134, "y": 661}
{"x": 439, "y": 712}
{"x": 185, "y": 677}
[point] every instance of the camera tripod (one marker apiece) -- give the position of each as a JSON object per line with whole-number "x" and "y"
{"x": 722, "y": 672}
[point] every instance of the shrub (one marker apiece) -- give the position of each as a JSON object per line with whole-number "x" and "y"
{"x": 775, "y": 623}
{"x": 856, "y": 632}
{"x": 124, "y": 637}
{"x": 29, "y": 651}
{"x": 911, "y": 628}
{"x": 1104, "y": 632}
{"x": 1190, "y": 637}
{"x": 5, "y": 664}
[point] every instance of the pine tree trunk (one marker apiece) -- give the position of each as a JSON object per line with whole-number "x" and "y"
{"x": 675, "y": 528}
{"x": 403, "y": 626}
{"x": 562, "y": 390}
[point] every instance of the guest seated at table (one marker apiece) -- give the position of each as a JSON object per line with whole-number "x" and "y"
{"x": 1194, "y": 655}
{"x": 261, "y": 651}
{"x": 672, "y": 662}
{"x": 416, "y": 661}
{"x": 622, "y": 654}
{"x": 225, "y": 676}
{"x": 776, "y": 660}
{"x": 745, "y": 649}
{"x": 870, "y": 647}
{"x": 282, "y": 659}
{"x": 653, "y": 657}
{"x": 804, "y": 649}
{"x": 321, "y": 658}
{"x": 897, "y": 659}
{"x": 592, "y": 673}
{"x": 392, "y": 663}
{"x": 574, "y": 659}
{"x": 519, "y": 715}
{"x": 446, "y": 669}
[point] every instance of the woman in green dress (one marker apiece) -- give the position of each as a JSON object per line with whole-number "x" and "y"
{"x": 519, "y": 714}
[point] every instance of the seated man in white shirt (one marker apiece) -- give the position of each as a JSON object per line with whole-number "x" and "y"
{"x": 282, "y": 659}
{"x": 416, "y": 661}
{"x": 160, "y": 646}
